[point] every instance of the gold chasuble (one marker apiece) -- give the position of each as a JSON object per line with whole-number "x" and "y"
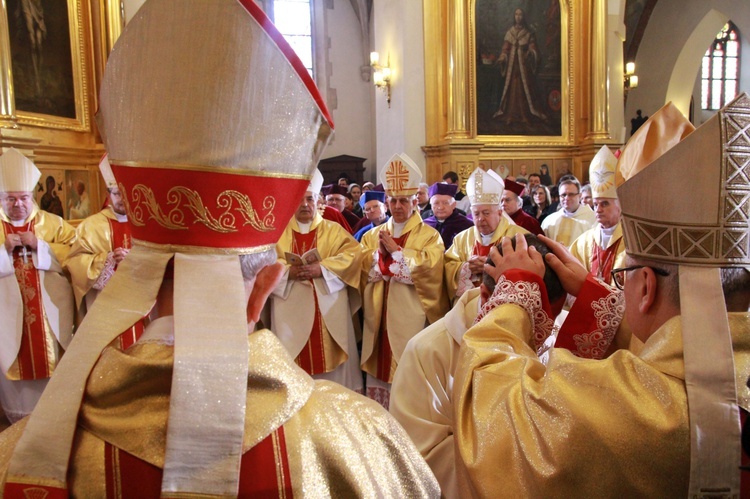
{"x": 37, "y": 304}
{"x": 293, "y": 443}
{"x": 313, "y": 318}
{"x": 89, "y": 263}
{"x": 597, "y": 260}
{"x": 405, "y": 309}
{"x": 465, "y": 245}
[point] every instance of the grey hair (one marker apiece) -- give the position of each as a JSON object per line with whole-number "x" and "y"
{"x": 253, "y": 263}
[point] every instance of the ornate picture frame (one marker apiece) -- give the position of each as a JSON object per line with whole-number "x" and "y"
{"x": 45, "y": 74}
{"x": 510, "y": 104}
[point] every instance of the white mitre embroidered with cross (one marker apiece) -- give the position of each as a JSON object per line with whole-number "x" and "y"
{"x": 484, "y": 187}
{"x": 400, "y": 176}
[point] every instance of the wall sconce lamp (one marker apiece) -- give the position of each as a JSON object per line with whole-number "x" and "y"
{"x": 381, "y": 76}
{"x": 631, "y": 79}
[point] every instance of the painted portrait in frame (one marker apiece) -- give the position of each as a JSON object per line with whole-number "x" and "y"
{"x": 48, "y": 62}
{"x": 77, "y": 190}
{"x": 520, "y": 67}
{"x": 50, "y": 194}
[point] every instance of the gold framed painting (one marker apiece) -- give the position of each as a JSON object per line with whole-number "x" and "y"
{"x": 45, "y": 73}
{"x": 520, "y": 62}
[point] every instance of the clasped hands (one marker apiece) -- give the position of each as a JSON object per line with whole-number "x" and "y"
{"x": 305, "y": 272}
{"x": 569, "y": 270}
{"x": 27, "y": 239}
{"x": 386, "y": 244}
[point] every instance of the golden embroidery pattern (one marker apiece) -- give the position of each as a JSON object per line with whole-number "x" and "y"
{"x": 397, "y": 176}
{"x": 143, "y": 206}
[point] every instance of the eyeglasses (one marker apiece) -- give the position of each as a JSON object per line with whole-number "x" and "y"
{"x": 568, "y": 194}
{"x": 618, "y": 275}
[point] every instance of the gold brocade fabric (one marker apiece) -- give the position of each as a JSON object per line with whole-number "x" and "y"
{"x": 87, "y": 256}
{"x": 340, "y": 254}
{"x": 576, "y": 428}
{"x": 426, "y": 299}
{"x": 338, "y": 443}
{"x": 463, "y": 245}
{"x": 583, "y": 248}
{"x": 58, "y": 233}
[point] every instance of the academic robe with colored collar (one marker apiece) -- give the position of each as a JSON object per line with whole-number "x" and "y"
{"x": 531, "y": 224}
{"x": 449, "y": 227}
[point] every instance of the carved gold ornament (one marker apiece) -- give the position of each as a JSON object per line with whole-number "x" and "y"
{"x": 187, "y": 208}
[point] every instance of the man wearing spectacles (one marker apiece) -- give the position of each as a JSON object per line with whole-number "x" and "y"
{"x": 573, "y": 219}
{"x": 660, "y": 421}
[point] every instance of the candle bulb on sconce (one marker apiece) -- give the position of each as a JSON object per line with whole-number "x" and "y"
{"x": 381, "y": 76}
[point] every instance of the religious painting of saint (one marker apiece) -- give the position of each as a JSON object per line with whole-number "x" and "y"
{"x": 49, "y": 193}
{"x": 41, "y": 57}
{"x": 518, "y": 68}
{"x": 77, "y": 189}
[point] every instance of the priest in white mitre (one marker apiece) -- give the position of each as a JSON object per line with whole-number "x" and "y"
{"x": 103, "y": 241}
{"x": 36, "y": 301}
{"x": 313, "y": 304}
{"x": 402, "y": 278}
{"x": 601, "y": 248}
{"x": 465, "y": 259}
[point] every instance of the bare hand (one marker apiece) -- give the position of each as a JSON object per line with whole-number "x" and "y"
{"x": 119, "y": 254}
{"x": 311, "y": 270}
{"x": 12, "y": 241}
{"x": 294, "y": 272}
{"x": 476, "y": 264}
{"x": 387, "y": 242}
{"x": 522, "y": 258}
{"x": 569, "y": 270}
{"x": 29, "y": 240}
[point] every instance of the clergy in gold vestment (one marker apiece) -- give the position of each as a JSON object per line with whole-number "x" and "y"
{"x": 102, "y": 241}
{"x": 601, "y": 248}
{"x": 578, "y": 427}
{"x": 572, "y": 219}
{"x": 312, "y": 307}
{"x": 402, "y": 270}
{"x": 465, "y": 259}
{"x": 201, "y": 405}
{"x": 36, "y": 302}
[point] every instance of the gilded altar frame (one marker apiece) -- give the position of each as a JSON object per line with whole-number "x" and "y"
{"x": 453, "y": 141}
{"x": 79, "y": 119}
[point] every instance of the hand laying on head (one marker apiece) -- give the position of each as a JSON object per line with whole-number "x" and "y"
{"x": 521, "y": 257}
{"x": 569, "y": 270}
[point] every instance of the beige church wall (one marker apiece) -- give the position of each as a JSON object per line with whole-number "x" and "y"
{"x": 669, "y": 56}
{"x": 397, "y": 35}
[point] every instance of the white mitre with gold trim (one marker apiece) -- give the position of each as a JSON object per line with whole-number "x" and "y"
{"x": 106, "y": 170}
{"x": 400, "y": 176}
{"x": 699, "y": 221}
{"x": 212, "y": 124}
{"x": 602, "y": 174}
{"x": 484, "y": 187}
{"x": 17, "y": 172}
{"x": 316, "y": 183}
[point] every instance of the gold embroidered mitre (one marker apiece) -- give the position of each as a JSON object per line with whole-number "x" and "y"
{"x": 17, "y": 172}
{"x": 691, "y": 204}
{"x": 484, "y": 187}
{"x": 602, "y": 174}
{"x": 400, "y": 176}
